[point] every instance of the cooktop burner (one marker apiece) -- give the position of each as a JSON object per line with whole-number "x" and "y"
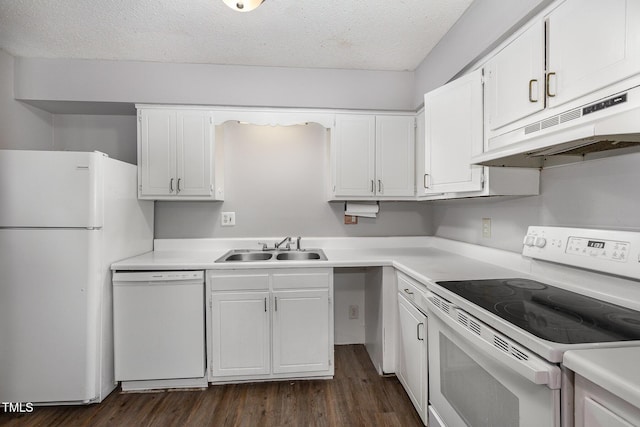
{"x": 549, "y": 312}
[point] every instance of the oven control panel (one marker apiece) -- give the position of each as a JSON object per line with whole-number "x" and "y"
{"x": 608, "y": 251}
{"x": 603, "y": 249}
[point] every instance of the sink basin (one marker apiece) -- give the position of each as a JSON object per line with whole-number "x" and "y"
{"x": 248, "y": 255}
{"x": 298, "y": 255}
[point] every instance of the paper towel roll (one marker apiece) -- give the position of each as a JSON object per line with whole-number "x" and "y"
{"x": 368, "y": 210}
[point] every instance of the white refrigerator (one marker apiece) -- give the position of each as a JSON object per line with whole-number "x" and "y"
{"x": 65, "y": 217}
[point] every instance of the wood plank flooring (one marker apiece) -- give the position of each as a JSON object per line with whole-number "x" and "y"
{"x": 357, "y": 396}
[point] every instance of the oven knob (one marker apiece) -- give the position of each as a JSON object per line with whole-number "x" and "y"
{"x": 528, "y": 241}
{"x": 541, "y": 242}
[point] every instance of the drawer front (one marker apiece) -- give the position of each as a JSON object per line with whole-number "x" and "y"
{"x": 302, "y": 278}
{"x": 411, "y": 289}
{"x": 239, "y": 280}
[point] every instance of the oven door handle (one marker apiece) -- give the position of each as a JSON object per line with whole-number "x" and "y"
{"x": 493, "y": 344}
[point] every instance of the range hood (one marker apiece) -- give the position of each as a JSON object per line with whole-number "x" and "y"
{"x": 607, "y": 124}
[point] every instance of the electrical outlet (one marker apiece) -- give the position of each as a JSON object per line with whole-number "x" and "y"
{"x": 354, "y": 312}
{"x": 486, "y": 228}
{"x": 228, "y": 219}
{"x": 350, "y": 219}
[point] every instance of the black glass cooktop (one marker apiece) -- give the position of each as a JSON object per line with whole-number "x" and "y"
{"x": 549, "y": 312}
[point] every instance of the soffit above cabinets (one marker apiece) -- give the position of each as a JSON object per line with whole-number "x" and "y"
{"x": 372, "y": 35}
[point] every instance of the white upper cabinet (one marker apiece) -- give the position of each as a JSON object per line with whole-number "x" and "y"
{"x": 514, "y": 79}
{"x": 355, "y": 150}
{"x": 373, "y": 156}
{"x": 395, "y": 151}
{"x": 156, "y": 152}
{"x": 591, "y": 44}
{"x": 588, "y": 46}
{"x": 195, "y": 139}
{"x": 453, "y": 134}
{"x": 178, "y": 157}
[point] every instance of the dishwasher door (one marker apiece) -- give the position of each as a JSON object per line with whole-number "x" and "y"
{"x": 159, "y": 323}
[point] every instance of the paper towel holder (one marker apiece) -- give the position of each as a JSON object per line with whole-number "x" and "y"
{"x": 345, "y": 204}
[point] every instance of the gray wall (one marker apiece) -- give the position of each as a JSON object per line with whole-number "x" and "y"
{"x": 113, "y": 135}
{"x": 276, "y": 181}
{"x": 81, "y": 81}
{"x": 21, "y": 126}
{"x": 600, "y": 193}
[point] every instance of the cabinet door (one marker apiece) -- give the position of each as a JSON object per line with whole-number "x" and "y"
{"x": 591, "y": 44}
{"x": 597, "y": 415}
{"x": 453, "y": 134}
{"x": 240, "y": 333}
{"x": 412, "y": 354}
{"x": 157, "y": 162}
{"x": 395, "y": 151}
{"x": 354, "y": 155}
{"x": 301, "y": 331}
{"x": 514, "y": 79}
{"x": 194, "y": 146}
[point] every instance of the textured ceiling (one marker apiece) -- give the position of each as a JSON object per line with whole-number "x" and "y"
{"x": 349, "y": 34}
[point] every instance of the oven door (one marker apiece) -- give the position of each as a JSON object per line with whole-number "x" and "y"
{"x": 479, "y": 377}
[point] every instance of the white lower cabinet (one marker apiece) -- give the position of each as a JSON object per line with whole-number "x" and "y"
{"x": 269, "y": 324}
{"x": 240, "y": 331}
{"x": 597, "y": 407}
{"x": 411, "y": 356}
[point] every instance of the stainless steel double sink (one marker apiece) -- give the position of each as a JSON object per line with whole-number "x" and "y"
{"x": 250, "y": 255}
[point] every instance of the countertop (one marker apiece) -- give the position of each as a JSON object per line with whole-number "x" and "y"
{"x": 428, "y": 263}
{"x": 614, "y": 369}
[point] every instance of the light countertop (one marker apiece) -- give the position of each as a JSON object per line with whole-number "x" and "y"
{"x": 425, "y": 264}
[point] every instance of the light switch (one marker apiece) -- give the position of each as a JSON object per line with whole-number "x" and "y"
{"x": 228, "y": 219}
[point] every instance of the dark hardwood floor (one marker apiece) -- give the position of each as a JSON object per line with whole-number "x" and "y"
{"x": 357, "y": 396}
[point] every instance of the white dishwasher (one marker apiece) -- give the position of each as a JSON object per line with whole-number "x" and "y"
{"x": 159, "y": 337}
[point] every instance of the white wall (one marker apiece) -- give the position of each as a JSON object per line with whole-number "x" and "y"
{"x": 276, "y": 181}
{"x": 81, "y": 81}
{"x": 600, "y": 193}
{"x": 21, "y": 126}
{"x": 113, "y": 135}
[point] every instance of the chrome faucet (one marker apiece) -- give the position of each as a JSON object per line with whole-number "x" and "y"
{"x": 286, "y": 240}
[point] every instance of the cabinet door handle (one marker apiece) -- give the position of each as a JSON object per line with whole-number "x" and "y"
{"x": 276, "y": 303}
{"x": 424, "y": 180}
{"x": 549, "y": 94}
{"x": 418, "y": 331}
{"x": 531, "y": 82}
{"x": 380, "y": 186}
{"x": 372, "y": 186}
{"x": 171, "y": 185}
{"x": 265, "y": 304}
{"x": 178, "y": 187}
{"x": 408, "y": 291}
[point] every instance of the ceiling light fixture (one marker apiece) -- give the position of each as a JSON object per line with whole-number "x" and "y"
{"x": 243, "y": 5}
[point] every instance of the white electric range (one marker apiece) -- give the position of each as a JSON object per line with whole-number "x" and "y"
{"x": 496, "y": 346}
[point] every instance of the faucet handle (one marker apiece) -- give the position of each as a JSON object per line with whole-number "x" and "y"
{"x": 298, "y": 243}
{"x": 264, "y": 245}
